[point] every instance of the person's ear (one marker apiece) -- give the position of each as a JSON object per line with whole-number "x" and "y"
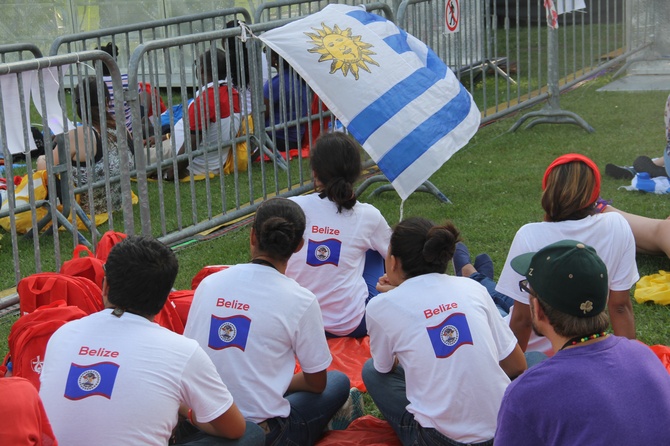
{"x": 253, "y": 239}
{"x": 300, "y": 245}
{"x": 105, "y": 292}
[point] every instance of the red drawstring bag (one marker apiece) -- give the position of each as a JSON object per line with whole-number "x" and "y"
{"x": 30, "y": 334}
{"x": 85, "y": 264}
{"x": 43, "y": 288}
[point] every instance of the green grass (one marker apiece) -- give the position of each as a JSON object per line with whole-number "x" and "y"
{"x": 494, "y": 184}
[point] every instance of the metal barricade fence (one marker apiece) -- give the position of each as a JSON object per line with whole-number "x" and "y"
{"x": 126, "y": 37}
{"x": 15, "y": 51}
{"x": 40, "y": 85}
{"x": 500, "y": 53}
{"x": 292, "y": 9}
{"x": 174, "y": 210}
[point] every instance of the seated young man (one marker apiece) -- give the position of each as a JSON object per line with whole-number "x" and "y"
{"x": 211, "y": 124}
{"x": 116, "y": 377}
{"x": 598, "y": 388}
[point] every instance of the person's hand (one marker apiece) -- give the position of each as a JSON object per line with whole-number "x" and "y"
{"x": 383, "y": 285}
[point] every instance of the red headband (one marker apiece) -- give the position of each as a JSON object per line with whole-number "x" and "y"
{"x": 569, "y": 158}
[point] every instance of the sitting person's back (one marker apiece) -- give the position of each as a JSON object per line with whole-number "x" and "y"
{"x": 286, "y": 99}
{"x": 617, "y": 384}
{"x": 254, "y": 322}
{"x": 442, "y": 356}
{"x": 123, "y": 374}
{"x": 214, "y": 117}
{"x": 340, "y": 232}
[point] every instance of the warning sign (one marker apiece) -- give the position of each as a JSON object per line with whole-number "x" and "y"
{"x": 452, "y": 15}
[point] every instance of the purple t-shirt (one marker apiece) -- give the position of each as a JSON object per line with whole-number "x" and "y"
{"x": 615, "y": 391}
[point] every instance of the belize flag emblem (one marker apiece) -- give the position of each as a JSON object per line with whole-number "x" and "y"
{"x": 451, "y": 334}
{"x": 227, "y": 332}
{"x": 322, "y": 252}
{"x": 393, "y": 93}
{"x": 88, "y": 380}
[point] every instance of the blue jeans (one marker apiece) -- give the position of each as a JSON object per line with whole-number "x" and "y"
{"x": 388, "y": 390}
{"x": 373, "y": 270}
{"x": 503, "y": 302}
{"x": 253, "y": 436}
{"x": 666, "y": 158}
{"x": 310, "y": 413}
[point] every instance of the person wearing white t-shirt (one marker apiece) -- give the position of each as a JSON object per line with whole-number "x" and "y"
{"x": 571, "y": 187}
{"x": 346, "y": 241}
{"x": 442, "y": 356}
{"x": 117, "y": 378}
{"x": 254, "y": 322}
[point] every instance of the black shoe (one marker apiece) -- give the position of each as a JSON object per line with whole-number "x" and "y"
{"x": 620, "y": 172}
{"x": 646, "y": 164}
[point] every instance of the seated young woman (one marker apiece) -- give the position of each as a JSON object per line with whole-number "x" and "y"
{"x": 254, "y": 322}
{"x": 442, "y": 356}
{"x": 345, "y": 240}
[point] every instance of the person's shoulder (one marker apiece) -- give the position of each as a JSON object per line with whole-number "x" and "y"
{"x": 612, "y": 218}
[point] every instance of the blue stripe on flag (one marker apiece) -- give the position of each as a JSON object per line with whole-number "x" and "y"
{"x": 412, "y": 146}
{"x": 436, "y": 65}
{"x": 398, "y": 43}
{"x": 365, "y": 17}
{"x": 387, "y": 105}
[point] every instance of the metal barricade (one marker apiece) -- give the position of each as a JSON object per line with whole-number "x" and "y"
{"x": 174, "y": 210}
{"x": 15, "y": 52}
{"x": 292, "y": 9}
{"x": 72, "y": 178}
{"x": 126, "y": 37}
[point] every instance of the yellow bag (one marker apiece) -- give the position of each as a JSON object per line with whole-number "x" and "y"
{"x": 654, "y": 288}
{"x": 24, "y": 221}
{"x": 241, "y": 149}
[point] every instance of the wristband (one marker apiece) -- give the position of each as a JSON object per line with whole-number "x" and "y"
{"x": 190, "y": 416}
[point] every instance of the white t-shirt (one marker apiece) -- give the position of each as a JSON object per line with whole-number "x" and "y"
{"x": 119, "y": 381}
{"x": 449, "y": 338}
{"x": 254, "y": 322}
{"x": 331, "y": 262}
{"x": 609, "y": 234}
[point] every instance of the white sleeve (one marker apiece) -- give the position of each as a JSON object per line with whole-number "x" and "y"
{"x": 624, "y": 275}
{"x": 381, "y": 346}
{"x": 508, "y": 283}
{"x": 503, "y": 337}
{"x": 309, "y": 344}
{"x": 381, "y": 236}
{"x": 203, "y": 390}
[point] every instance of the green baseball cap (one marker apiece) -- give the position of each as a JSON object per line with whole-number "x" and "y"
{"x": 568, "y": 275}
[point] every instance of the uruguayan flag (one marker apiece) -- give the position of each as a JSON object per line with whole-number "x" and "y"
{"x": 395, "y": 96}
{"x": 643, "y": 182}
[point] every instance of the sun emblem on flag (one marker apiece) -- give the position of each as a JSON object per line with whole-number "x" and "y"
{"x": 347, "y": 52}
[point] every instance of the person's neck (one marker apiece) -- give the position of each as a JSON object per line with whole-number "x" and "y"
{"x": 565, "y": 343}
{"x": 262, "y": 259}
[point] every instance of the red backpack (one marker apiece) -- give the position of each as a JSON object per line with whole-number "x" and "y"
{"x": 204, "y": 272}
{"x": 107, "y": 242}
{"x": 86, "y": 265}
{"x": 43, "y": 288}
{"x": 169, "y": 318}
{"x": 29, "y": 335}
{"x": 182, "y": 301}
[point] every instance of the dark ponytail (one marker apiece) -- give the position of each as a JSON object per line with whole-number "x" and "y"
{"x": 422, "y": 247}
{"x": 336, "y": 161}
{"x": 279, "y": 227}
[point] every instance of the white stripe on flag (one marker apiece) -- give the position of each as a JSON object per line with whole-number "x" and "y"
{"x": 396, "y": 97}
